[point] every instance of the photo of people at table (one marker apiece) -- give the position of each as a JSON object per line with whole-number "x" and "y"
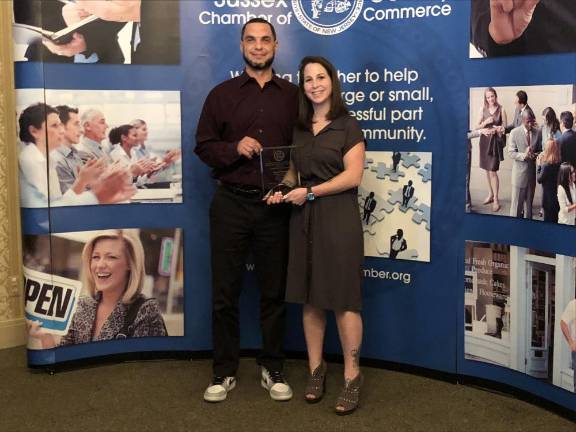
{"x": 97, "y": 31}
{"x": 98, "y": 147}
{"x": 522, "y": 152}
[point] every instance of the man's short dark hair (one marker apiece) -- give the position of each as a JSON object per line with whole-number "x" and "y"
{"x": 257, "y": 20}
{"x": 567, "y": 119}
{"x": 34, "y": 115}
{"x": 64, "y": 113}
{"x": 522, "y": 97}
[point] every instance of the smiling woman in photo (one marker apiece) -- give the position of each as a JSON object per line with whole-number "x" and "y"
{"x": 113, "y": 306}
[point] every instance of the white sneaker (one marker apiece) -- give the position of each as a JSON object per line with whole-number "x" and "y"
{"x": 274, "y": 382}
{"x": 219, "y": 388}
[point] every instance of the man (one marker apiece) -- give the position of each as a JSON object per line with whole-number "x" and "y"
{"x": 397, "y": 243}
{"x": 94, "y": 126}
{"x": 65, "y": 158}
{"x": 94, "y": 42}
{"x": 524, "y": 146}
{"x": 154, "y": 24}
{"x": 42, "y": 131}
{"x": 567, "y": 140}
{"x": 568, "y": 327}
{"x": 407, "y": 193}
{"x": 521, "y": 104}
{"x": 240, "y": 117}
{"x": 369, "y": 206}
{"x": 396, "y": 158}
{"x": 506, "y": 27}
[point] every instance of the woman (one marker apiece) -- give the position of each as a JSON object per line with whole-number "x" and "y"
{"x": 566, "y": 194}
{"x": 114, "y": 308}
{"x": 548, "y": 165}
{"x": 326, "y": 241}
{"x": 123, "y": 139}
{"x": 140, "y": 151}
{"x": 492, "y": 141}
{"x": 551, "y": 125}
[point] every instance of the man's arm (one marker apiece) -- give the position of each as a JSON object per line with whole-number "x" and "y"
{"x": 513, "y": 151}
{"x": 210, "y": 147}
{"x": 497, "y": 26}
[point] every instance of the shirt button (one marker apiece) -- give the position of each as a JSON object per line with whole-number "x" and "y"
{"x": 261, "y": 110}
{"x": 260, "y": 131}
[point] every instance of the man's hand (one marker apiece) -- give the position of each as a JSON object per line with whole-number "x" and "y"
{"x": 114, "y": 186}
{"x": 248, "y": 147}
{"x": 90, "y": 172}
{"x": 76, "y": 46}
{"x": 509, "y": 19}
{"x": 112, "y": 10}
{"x": 72, "y": 13}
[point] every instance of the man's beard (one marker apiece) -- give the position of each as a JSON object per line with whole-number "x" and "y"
{"x": 259, "y": 66}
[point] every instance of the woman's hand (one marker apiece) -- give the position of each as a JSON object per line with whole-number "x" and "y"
{"x": 296, "y": 196}
{"x": 487, "y": 121}
{"x": 35, "y": 331}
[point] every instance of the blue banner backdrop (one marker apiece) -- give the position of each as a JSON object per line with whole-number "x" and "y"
{"x": 413, "y": 311}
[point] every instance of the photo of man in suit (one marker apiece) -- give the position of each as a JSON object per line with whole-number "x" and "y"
{"x": 521, "y": 103}
{"x": 407, "y": 193}
{"x": 125, "y": 31}
{"x": 524, "y": 146}
{"x": 396, "y": 158}
{"x": 397, "y": 243}
{"x": 369, "y": 206}
{"x": 567, "y": 140}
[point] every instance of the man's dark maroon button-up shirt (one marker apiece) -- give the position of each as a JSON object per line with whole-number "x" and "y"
{"x": 237, "y": 108}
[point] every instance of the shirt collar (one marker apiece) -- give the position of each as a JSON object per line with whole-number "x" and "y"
{"x": 245, "y": 78}
{"x": 65, "y": 151}
{"x": 91, "y": 143}
{"x": 33, "y": 152}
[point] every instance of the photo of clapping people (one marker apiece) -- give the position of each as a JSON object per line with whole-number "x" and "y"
{"x": 97, "y": 31}
{"x": 522, "y": 152}
{"x": 93, "y": 286}
{"x": 98, "y": 147}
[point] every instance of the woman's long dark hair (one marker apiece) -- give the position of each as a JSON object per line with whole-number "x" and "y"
{"x": 551, "y": 120}
{"x": 305, "y": 109}
{"x": 116, "y": 134}
{"x": 564, "y": 179}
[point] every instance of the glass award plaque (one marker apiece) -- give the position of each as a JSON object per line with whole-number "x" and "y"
{"x": 274, "y": 165}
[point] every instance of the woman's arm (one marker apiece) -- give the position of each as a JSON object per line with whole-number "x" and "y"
{"x": 350, "y": 178}
{"x": 502, "y": 127}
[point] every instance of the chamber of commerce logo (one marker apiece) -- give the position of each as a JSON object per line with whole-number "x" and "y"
{"x": 327, "y": 17}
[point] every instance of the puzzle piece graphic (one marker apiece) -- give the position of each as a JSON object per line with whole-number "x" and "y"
{"x": 396, "y": 198}
{"x": 382, "y": 171}
{"x": 367, "y": 163}
{"x": 426, "y": 173}
{"x": 422, "y": 215}
{"x": 409, "y": 160}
